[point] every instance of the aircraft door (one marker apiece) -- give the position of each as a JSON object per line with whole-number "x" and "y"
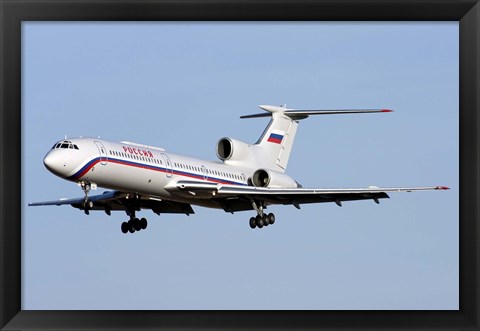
{"x": 103, "y": 152}
{"x": 168, "y": 165}
{"x": 204, "y": 172}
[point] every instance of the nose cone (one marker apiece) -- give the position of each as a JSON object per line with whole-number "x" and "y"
{"x": 48, "y": 161}
{"x": 53, "y": 162}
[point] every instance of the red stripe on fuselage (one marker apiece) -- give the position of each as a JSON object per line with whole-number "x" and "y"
{"x": 92, "y": 163}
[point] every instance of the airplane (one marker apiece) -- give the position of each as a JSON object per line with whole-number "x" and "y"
{"x": 247, "y": 177}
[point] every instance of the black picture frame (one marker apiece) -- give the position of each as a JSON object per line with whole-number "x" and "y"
{"x": 13, "y": 12}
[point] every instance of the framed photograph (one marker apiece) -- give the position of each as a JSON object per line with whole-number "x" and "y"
{"x": 178, "y": 76}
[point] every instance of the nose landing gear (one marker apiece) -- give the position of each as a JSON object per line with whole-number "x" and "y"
{"x": 87, "y": 203}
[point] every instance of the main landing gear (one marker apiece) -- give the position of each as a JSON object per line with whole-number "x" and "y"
{"x": 261, "y": 219}
{"x": 134, "y": 224}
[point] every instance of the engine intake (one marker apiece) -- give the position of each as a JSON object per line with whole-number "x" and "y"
{"x": 270, "y": 178}
{"x": 231, "y": 149}
{"x": 261, "y": 178}
{"x": 224, "y": 149}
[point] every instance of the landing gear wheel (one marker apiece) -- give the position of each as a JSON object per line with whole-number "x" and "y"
{"x": 265, "y": 220}
{"x": 131, "y": 226}
{"x": 271, "y": 218}
{"x": 253, "y": 223}
{"x": 259, "y": 221}
{"x": 143, "y": 223}
{"x": 88, "y": 204}
{"x": 125, "y": 227}
{"x": 136, "y": 224}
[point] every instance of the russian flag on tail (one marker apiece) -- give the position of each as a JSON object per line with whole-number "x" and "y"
{"x": 276, "y": 137}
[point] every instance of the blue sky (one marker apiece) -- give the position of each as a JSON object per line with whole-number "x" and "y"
{"x": 182, "y": 86}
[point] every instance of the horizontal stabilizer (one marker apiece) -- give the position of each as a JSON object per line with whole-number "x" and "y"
{"x": 298, "y": 114}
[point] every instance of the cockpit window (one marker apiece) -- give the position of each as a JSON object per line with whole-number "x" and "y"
{"x": 65, "y": 144}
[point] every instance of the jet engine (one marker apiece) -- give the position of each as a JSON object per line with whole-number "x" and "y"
{"x": 270, "y": 178}
{"x": 232, "y": 150}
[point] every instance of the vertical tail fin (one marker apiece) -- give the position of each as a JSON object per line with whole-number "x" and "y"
{"x": 276, "y": 142}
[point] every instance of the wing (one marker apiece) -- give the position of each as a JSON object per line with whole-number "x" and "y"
{"x": 115, "y": 200}
{"x": 236, "y": 198}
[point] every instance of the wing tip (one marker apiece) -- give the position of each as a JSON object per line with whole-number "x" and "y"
{"x": 387, "y": 111}
{"x": 442, "y": 188}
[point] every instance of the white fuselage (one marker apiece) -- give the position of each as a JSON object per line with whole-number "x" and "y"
{"x": 136, "y": 168}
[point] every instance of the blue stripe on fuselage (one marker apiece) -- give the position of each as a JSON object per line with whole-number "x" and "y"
{"x": 93, "y": 162}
